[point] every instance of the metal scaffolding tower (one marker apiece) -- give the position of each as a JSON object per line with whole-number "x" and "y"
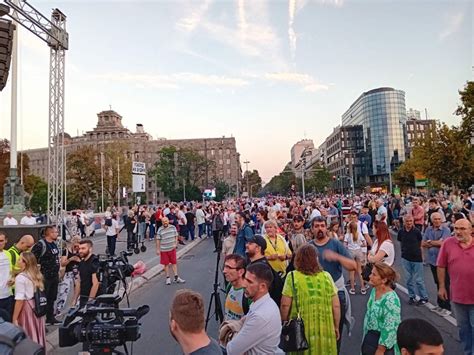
{"x": 53, "y": 32}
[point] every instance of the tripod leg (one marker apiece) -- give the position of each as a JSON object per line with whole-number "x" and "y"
{"x": 208, "y": 317}
{"x": 219, "y": 310}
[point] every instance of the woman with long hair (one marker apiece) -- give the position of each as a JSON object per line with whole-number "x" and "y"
{"x": 334, "y": 230}
{"x": 383, "y": 314}
{"x": 26, "y": 282}
{"x": 383, "y": 249}
{"x": 318, "y": 302}
{"x": 354, "y": 242}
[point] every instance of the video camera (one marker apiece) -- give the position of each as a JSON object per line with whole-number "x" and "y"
{"x": 112, "y": 270}
{"x": 102, "y": 325}
{"x": 14, "y": 341}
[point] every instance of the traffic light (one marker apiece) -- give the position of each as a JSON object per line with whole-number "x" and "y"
{"x": 7, "y": 29}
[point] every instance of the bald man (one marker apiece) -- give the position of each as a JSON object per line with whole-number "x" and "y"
{"x": 457, "y": 255}
{"x": 25, "y": 243}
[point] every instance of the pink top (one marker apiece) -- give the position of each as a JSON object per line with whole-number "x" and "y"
{"x": 459, "y": 263}
{"x": 418, "y": 214}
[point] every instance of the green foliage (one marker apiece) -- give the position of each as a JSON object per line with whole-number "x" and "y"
{"x": 319, "y": 180}
{"x": 254, "y": 182}
{"x": 446, "y": 156}
{"x": 178, "y": 167}
{"x": 222, "y": 190}
{"x": 281, "y": 183}
{"x": 38, "y": 190}
{"x": 5, "y": 165}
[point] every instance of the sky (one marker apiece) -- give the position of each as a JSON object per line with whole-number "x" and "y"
{"x": 268, "y": 73}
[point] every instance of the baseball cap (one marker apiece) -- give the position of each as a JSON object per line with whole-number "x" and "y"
{"x": 260, "y": 241}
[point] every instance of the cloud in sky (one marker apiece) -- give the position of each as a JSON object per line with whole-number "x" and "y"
{"x": 308, "y": 83}
{"x": 452, "y": 24}
{"x": 192, "y": 20}
{"x": 173, "y": 81}
{"x": 291, "y": 30}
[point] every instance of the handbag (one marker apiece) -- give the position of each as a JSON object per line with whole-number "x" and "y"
{"x": 292, "y": 336}
{"x": 371, "y": 343}
{"x": 366, "y": 271}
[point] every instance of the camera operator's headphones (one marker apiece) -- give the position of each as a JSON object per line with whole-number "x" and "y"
{"x": 13, "y": 341}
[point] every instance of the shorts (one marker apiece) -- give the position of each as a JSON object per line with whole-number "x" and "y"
{"x": 168, "y": 257}
{"x": 358, "y": 255}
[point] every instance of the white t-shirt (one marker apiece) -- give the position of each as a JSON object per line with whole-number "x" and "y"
{"x": 28, "y": 221}
{"x": 24, "y": 288}
{"x": 10, "y": 221}
{"x": 4, "y": 275}
{"x": 200, "y": 217}
{"x": 182, "y": 218}
{"x": 112, "y": 230}
{"x": 314, "y": 213}
{"x": 362, "y": 231}
{"x": 357, "y": 245}
{"x": 388, "y": 248}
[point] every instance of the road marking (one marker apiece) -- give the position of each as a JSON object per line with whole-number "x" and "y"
{"x": 430, "y": 306}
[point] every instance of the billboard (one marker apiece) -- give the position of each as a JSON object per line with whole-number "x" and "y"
{"x": 138, "y": 167}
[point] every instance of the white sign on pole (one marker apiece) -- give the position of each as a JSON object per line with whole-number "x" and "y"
{"x": 138, "y": 167}
{"x": 138, "y": 183}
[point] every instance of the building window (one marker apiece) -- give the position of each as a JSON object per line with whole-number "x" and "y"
{"x": 228, "y": 161}
{"x": 228, "y": 171}
{"x": 220, "y": 162}
{"x": 212, "y": 151}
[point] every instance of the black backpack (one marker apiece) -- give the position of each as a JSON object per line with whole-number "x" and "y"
{"x": 108, "y": 222}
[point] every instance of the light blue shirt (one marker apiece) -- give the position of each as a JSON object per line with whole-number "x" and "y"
{"x": 432, "y": 233}
{"x": 261, "y": 331}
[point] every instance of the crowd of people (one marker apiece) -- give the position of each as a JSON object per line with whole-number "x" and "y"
{"x": 283, "y": 258}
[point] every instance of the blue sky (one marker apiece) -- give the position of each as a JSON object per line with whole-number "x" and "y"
{"x": 267, "y": 72}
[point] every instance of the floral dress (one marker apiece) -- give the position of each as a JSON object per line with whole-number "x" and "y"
{"x": 384, "y": 315}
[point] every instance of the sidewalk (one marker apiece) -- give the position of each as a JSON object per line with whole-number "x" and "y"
{"x": 52, "y": 339}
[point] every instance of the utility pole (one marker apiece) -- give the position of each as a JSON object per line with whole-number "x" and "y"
{"x": 118, "y": 181}
{"x": 303, "y": 163}
{"x": 184, "y": 190}
{"x": 102, "y": 177}
{"x": 247, "y": 173}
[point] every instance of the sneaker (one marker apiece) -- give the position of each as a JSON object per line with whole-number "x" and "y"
{"x": 367, "y": 286}
{"x": 352, "y": 291}
{"x": 363, "y": 291}
{"x": 181, "y": 242}
{"x": 168, "y": 281}
{"x": 179, "y": 280}
{"x": 444, "y": 312}
{"x": 411, "y": 301}
{"x": 422, "y": 302}
{"x": 436, "y": 309}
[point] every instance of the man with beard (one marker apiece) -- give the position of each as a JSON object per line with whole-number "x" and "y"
{"x": 260, "y": 333}
{"x": 87, "y": 286}
{"x": 255, "y": 249}
{"x": 228, "y": 244}
{"x": 244, "y": 235}
{"x": 187, "y": 323}
{"x": 334, "y": 257}
{"x": 166, "y": 244}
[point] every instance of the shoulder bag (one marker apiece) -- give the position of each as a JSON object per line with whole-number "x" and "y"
{"x": 292, "y": 332}
{"x": 41, "y": 301}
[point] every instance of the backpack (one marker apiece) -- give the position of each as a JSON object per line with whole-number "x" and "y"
{"x": 108, "y": 222}
{"x": 41, "y": 302}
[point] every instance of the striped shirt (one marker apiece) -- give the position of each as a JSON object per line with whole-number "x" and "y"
{"x": 167, "y": 237}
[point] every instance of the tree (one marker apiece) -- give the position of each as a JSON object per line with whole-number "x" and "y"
{"x": 176, "y": 168}
{"x": 254, "y": 182}
{"x": 319, "y": 180}
{"x": 117, "y": 166}
{"x": 281, "y": 183}
{"x": 222, "y": 190}
{"x": 446, "y": 155}
{"x": 37, "y": 189}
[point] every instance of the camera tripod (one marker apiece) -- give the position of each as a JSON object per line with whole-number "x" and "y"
{"x": 215, "y": 295}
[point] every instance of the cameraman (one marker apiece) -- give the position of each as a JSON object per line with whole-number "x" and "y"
{"x": 88, "y": 283}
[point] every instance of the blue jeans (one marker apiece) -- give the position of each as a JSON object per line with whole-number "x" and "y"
{"x": 111, "y": 242}
{"x": 201, "y": 229}
{"x": 415, "y": 278}
{"x": 465, "y": 317}
{"x": 209, "y": 230}
{"x": 152, "y": 231}
{"x": 191, "y": 230}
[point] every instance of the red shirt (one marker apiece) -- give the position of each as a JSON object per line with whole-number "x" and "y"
{"x": 459, "y": 263}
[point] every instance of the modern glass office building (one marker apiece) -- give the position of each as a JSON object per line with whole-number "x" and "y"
{"x": 382, "y": 113}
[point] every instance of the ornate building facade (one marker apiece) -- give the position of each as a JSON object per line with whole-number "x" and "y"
{"x": 142, "y": 147}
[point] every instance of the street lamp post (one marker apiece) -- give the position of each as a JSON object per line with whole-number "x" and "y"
{"x": 247, "y": 173}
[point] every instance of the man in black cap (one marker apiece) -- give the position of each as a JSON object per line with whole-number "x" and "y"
{"x": 255, "y": 249}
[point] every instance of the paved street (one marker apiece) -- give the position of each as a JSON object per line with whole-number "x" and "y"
{"x": 197, "y": 267}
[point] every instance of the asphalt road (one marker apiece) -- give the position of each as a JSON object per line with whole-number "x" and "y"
{"x": 197, "y": 268}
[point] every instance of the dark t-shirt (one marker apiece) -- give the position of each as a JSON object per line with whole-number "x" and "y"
{"x": 211, "y": 349}
{"x": 411, "y": 244}
{"x": 49, "y": 261}
{"x": 190, "y": 218}
{"x": 86, "y": 269}
{"x": 73, "y": 265}
{"x": 333, "y": 267}
{"x": 276, "y": 288}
